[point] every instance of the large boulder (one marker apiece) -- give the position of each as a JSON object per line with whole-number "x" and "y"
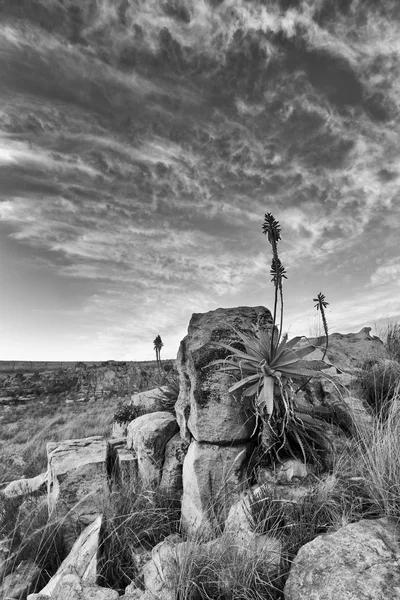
{"x": 147, "y": 437}
{"x": 213, "y": 477}
{"x": 205, "y": 408}
{"x": 77, "y": 481}
{"x": 360, "y": 561}
{"x": 347, "y": 351}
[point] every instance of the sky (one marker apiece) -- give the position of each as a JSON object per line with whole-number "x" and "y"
{"x": 142, "y": 143}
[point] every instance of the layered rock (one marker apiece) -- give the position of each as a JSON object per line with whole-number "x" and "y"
{"x": 359, "y": 561}
{"x": 213, "y": 477}
{"x": 77, "y": 480}
{"x": 205, "y": 408}
{"x": 219, "y": 423}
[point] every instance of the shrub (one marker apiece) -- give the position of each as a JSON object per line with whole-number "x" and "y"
{"x": 126, "y": 412}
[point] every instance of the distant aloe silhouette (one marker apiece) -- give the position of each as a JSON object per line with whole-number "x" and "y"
{"x": 158, "y": 344}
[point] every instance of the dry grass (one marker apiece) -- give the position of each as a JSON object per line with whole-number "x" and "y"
{"x": 379, "y": 456}
{"x": 134, "y": 522}
{"x": 26, "y": 429}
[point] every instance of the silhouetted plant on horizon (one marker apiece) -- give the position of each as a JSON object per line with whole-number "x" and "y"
{"x": 158, "y": 344}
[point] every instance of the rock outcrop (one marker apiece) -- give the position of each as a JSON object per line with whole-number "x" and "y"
{"x": 359, "y": 561}
{"x": 205, "y": 409}
{"x": 77, "y": 479}
{"x": 219, "y": 424}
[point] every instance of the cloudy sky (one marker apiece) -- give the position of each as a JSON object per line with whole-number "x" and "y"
{"x": 142, "y": 142}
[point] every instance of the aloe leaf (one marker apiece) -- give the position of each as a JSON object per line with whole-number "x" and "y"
{"x": 291, "y": 343}
{"x": 318, "y": 364}
{"x": 243, "y": 382}
{"x": 239, "y": 354}
{"x": 267, "y": 394}
{"x": 253, "y": 389}
{"x": 293, "y": 371}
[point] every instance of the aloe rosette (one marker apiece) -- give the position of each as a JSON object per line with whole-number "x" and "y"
{"x": 266, "y": 372}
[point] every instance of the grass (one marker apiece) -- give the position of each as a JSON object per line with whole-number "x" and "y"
{"x": 134, "y": 521}
{"x": 31, "y": 534}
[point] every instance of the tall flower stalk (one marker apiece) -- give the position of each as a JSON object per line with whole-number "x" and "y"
{"x": 272, "y": 229}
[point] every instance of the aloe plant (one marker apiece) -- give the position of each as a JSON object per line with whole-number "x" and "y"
{"x": 266, "y": 369}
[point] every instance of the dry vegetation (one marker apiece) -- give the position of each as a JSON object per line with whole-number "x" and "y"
{"x": 25, "y": 430}
{"x": 363, "y": 483}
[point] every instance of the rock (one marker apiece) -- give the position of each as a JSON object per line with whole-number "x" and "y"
{"x": 77, "y": 480}
{"x": 150, "y": 401}
{"x": 147, "y": 437}
{"x": 20, "y": 582}
{"x": 81, "y": 561}
{"x": 161, "y": 571}
{"x": 171, "y": 478}
{"x": 347, "y": 351}
{"x": 260, "y": 549}
{"x": 213, "y": 477}
{"x": 71, "y": 587}
{"x": 205, "y": 408}
{"x": 360, "y": 561}
{"x": 21, "y": 487}
{"x": 292, "y": 468}
{"x": 122, "y": 463}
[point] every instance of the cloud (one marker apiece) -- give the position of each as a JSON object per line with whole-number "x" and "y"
{"x": 387, "y": 274}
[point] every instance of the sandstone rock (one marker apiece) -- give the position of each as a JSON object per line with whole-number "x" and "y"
{"x": 81, "y": 561}
{"x": 77, "y": 480}
{"x": 19, "y": 583}
{"x": 161, "y": 572}
{"x": 360, "y": 561}
{"x": 71, "y": 587}
{"x": 147, "y": 437}
{"x": 213, "y": 477}
{"x": 150, "y": 400}
{"x": 205, "y": 409}
{"x": 175, "y": 452}
{"x": 21, "y": 487}
{"x": 346, "y": 351}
